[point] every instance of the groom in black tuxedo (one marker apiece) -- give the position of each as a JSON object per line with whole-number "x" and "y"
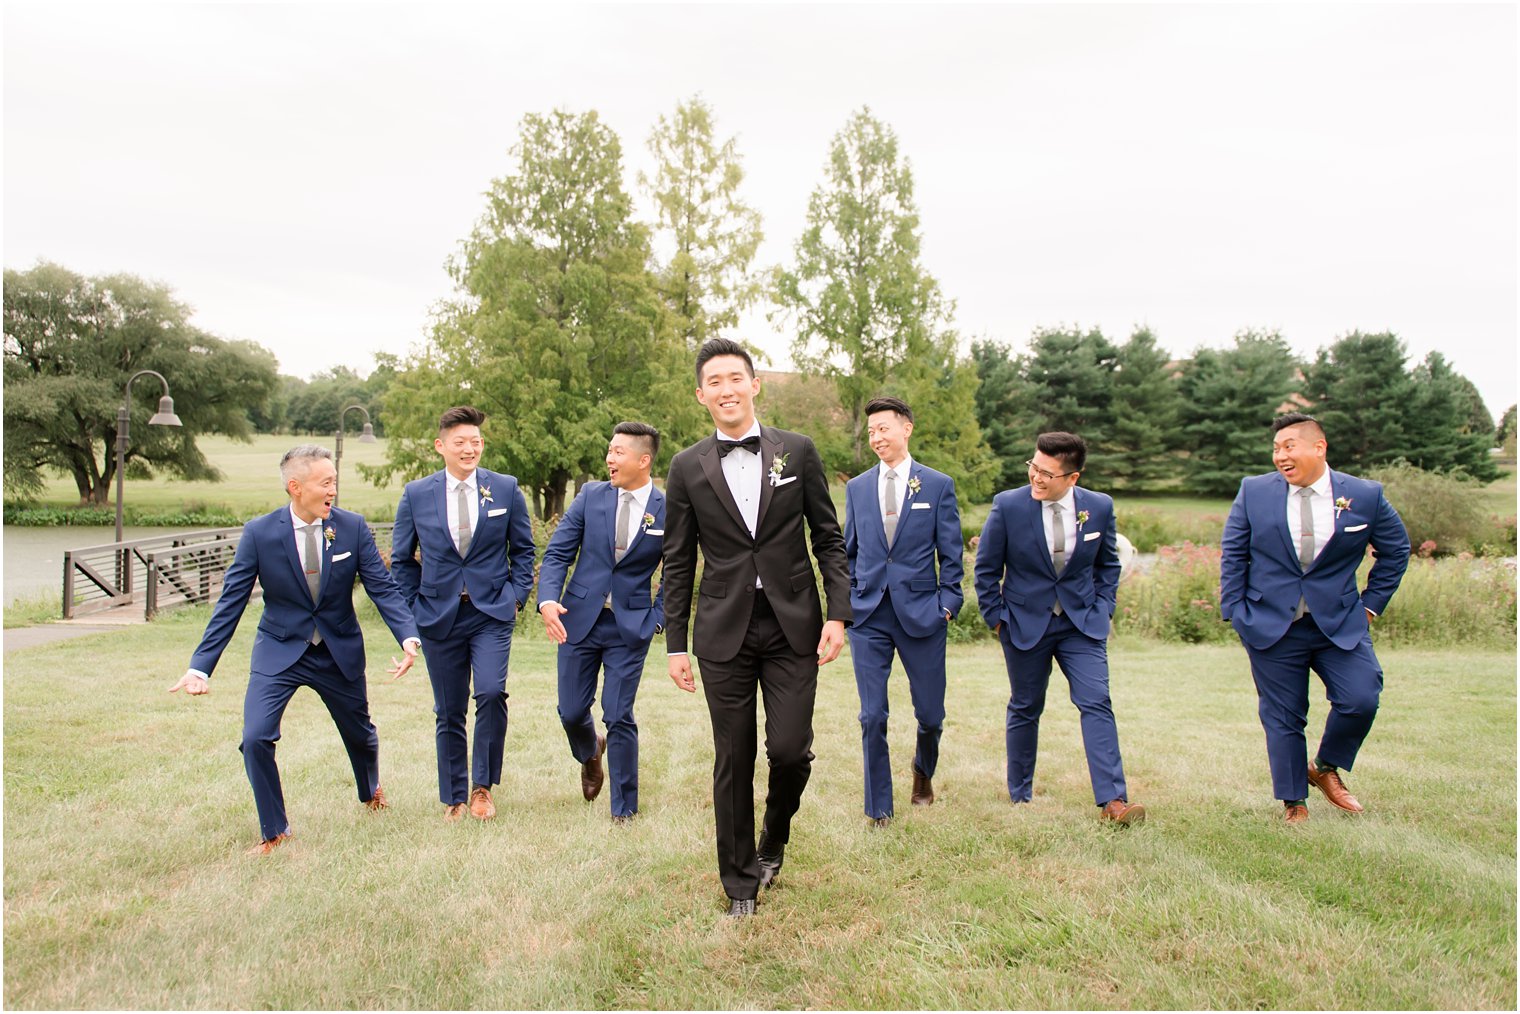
{"x": 743, "y": 495}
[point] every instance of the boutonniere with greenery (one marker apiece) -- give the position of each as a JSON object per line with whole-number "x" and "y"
{"x": 485, "y": 495}
{"x": 1081, "y": 519}
{"x": 329, "y": 533}
{"x": 1342, "y": 503}
{"x": 648, "y": 520}
{"x": 777, "y": 465}
{"x": 914, "y": 486}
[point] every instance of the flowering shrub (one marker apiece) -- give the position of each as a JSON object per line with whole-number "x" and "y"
{"x": 1176, "y": 599}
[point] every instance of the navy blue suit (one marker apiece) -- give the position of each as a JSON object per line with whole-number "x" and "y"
{"x": 465, "y": 608}
{"x": 899, "y": 599}
{"x": 1017, "y": 587}
{"x": 1260, "y": 584}
{"x": 284, "y": 659}
{"x": 612, "y": 638}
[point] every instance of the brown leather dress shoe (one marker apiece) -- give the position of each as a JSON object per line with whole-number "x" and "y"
{"x": 378, "y": 801}
{"x": 1120, "y": 812}
{"x": 923, "y": 790}
{"x": 481, "y": 806}
{"x": 454, "y": 813}
{"x": 1296, "y": 814}
{"x": 592, "y": 773}
{"x": 876, "y": 823}
{"x": 268, "y": 845}
{"x": 1329, "y": 782}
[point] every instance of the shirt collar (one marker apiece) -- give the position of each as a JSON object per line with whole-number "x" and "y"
{"x": 903, "y": 468}
{"x": 640, "y": 495}
{"x": 1321, "y": 486}
{"x": 468, "y": 481}
{"x": 1068, "y": 502}
{"x": 753, "y": 431}
{"x": 297, "y": 523}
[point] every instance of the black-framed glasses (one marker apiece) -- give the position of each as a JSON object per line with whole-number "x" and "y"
{"x": 1047, "y": 476}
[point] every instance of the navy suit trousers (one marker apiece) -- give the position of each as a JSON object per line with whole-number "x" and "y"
{"x": 263, "y": 707}
{"x": 603, "y": 648}
{"x": 872, "y": 644}
{"x": 1353, "y": 682}
{"x": 1084, "y": 661}
{"x": 478, "y": 642}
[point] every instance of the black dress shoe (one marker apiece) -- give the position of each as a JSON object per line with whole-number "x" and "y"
{"x": 738, "y": 908}
{"x": 770, "y": 855}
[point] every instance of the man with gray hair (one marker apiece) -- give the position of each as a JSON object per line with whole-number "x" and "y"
{"x": 306, "y": 556}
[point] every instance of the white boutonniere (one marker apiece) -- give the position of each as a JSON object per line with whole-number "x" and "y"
{"x": 1342, "y": 503}
{"x": 329, "y": 533}
{"x": 914, "y": 486}
{"x": 485, "y": 495}
{"x": 1081, "y": 519}
{"x": 648, "y": 520}
{"x": 777, "y": 466}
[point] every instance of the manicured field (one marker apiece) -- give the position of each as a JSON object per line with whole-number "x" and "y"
{"x": 127, "y": 812}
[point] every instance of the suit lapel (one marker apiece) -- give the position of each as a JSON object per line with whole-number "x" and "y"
{"x": 287, "y": 534}
{"x": 712, "y": 468}
{"x": 607, "y": 506}
{"x": 770, "y": 450}
{"x": 324, "y": 548}
{"x": 1280, "y": 491}
{"x": 1041, "y": 546}
{"x": 650, "y": 507}
{"x": 441, "y": 505}
{"x": 1335, "y": 521}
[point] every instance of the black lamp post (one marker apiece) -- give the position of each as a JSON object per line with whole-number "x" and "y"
{"x": 366, "y": 436}
{"x": 163, "y": 417}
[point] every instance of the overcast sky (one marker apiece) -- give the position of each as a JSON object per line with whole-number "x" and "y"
{"x": 299, "y": 173}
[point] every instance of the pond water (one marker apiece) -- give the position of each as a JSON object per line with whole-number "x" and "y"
{"x": 34, "y": 556}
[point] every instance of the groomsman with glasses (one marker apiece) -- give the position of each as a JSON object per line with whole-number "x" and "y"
{"x": 1047, "y": 577}
{"x": 471, "y": 529}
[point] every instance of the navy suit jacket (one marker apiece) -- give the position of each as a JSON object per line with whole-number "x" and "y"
{"x": 587, "y": 537}
{"x": 497, "y": 571}
{"x": 1016, "y": 581}
{"x": 929, "y": 527}
{"x": 1261, "y": 580}
{"x": 267, "y": 552}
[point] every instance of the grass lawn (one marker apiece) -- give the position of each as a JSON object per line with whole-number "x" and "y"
{"x": 127, "y": 812}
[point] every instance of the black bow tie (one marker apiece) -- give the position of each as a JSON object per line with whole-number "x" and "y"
{"x": 750, "y": 443}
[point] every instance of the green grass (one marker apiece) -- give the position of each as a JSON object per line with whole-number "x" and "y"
{"x": 127, "y": 811}
{"x": 252, "y": 478}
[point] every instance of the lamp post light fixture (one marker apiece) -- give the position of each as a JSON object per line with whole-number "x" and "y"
{"x": 163, "y": 417}
{"x": 366, "y": 436}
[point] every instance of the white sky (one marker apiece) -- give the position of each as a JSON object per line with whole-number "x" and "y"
{"x": 299, "y": 173}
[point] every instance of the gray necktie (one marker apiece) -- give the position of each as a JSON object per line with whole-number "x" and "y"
{"x": 462, "y": 505}
{"x": 889, "y": 506}
{"x": 1305, "y": 541}
{"x": 313, "y": 571}
{"x": 624, "y": 528}
{"x": 1058, "y": 545}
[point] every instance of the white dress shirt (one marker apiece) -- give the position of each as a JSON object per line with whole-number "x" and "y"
{"x": 903, "y": 469}
{"x": 1068, "y": 523}
{"x": 451, "y": 502}
{"x": 741, "y": 470}
{"x": 1321, "y": 508}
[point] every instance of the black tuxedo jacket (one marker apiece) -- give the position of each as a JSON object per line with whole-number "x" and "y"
{"x": 700, "y": 510}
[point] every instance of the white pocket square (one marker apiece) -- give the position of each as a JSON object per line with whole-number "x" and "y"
{"x": 922, "y": 506}
{"x": 1356, "y": 528}
{"x": 498, "y": 512}
{"x": 654, "y": 531}
{"x": 783, "y": 482}
{"x": 342, "y": 556}
{"x": 1092, "y": 535}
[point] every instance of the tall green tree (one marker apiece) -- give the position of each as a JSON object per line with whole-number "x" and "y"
{"x": 1448, "y": 428}
{"x": 1504, "y": 433}
{"x": 706, "y": 237}
{"x": 999, "y": 404}
{"x": 1360, "y": 392}
{"x": 72, "y": 343}
{"x": 557, "y": 330}
{"x": 1229, "y": 399}
{"x": 1068, "y": 384}
{"x": 1142, "y": 438}
{"x": 314, "y": 407}
{"x": 867, "y": 315}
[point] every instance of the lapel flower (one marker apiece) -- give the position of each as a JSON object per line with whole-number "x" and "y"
{"x": 914, "y": 486}
{"x": 777, "y": 465}
{"x": 329, "y": 533}
{"x": 648, "y": 520}
{"x": 1342, "y": 503}
{"x": 1081, "y": 519}
{"x": 485, "y": 495}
